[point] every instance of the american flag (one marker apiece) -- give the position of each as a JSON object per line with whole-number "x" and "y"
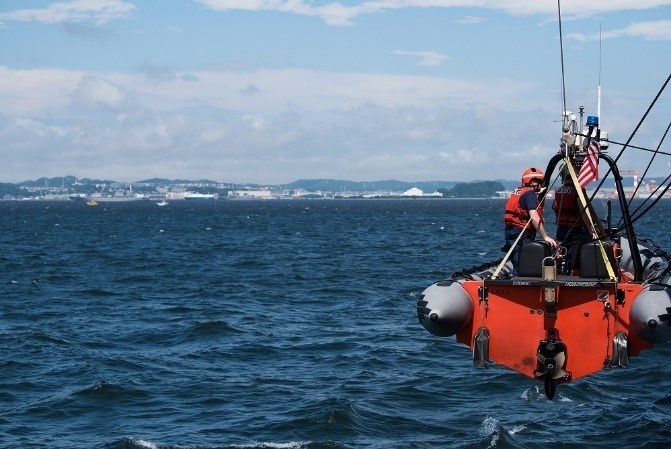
{"x": 590, "y": 166}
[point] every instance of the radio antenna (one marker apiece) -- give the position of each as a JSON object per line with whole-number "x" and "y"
{"x": 561, "y": 49}
{"x": 598, "y": 89}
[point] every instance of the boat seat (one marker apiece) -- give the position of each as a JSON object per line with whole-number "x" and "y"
{"x": 531, "y": 258}
{"x": 592, "y": 264}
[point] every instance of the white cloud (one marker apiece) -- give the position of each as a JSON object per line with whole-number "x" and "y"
{"x": 658, "y": 30}
{"x": 95, "y": 94}
{"x": 276, "y": 125}
{"x": 297, "y": 122}
{"x": 253, "y": 121}
{"x": 469, "y": 20}
{"x": 426, "y": 58}
{"x": 333, "y": 13}
{"x": 36, "y": 92}
{"x": 35, "y": 127}
{"x": 338, "y": 14}
{"x": 99, "y": 11}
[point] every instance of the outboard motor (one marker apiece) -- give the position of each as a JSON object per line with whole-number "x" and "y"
{"x": 551, "y": 355}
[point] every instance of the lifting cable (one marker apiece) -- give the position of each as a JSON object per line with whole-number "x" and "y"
{"x": 595, "y": 234}
{"x": 656, "y": 152}
{"x": 631, "y": 136}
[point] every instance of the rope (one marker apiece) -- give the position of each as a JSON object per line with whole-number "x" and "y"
{"x": 510, "y": 251}
{"x": 595, "y": 234}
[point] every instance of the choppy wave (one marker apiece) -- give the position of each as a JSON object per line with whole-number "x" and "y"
{"x": 276, "y": 325}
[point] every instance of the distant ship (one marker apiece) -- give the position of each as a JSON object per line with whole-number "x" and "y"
{"x": 200, "y": 196}
{"x": 104, "y": 199}
{"x": 78, "y": 197}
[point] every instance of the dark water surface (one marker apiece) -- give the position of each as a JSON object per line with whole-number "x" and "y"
{"x": 277, "y": 324}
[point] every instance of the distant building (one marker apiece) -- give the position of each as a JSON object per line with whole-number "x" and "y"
{"x": 262, "y": 194}
{"x": 415, "y": 192}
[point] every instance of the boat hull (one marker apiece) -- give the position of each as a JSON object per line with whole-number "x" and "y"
{"x": 597, "y": 322}
{"x": 587, "y": 318}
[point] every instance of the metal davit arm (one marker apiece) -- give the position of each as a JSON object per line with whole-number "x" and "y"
{"x": 547, "y": 181}
{"x": 626, "y": 218}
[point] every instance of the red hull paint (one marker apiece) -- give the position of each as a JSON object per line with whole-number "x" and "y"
{"x": 587, "y": 320}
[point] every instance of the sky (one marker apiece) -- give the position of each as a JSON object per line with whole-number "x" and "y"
{"x": 273, "y": 91}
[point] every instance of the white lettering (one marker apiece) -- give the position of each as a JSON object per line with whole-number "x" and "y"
{"x": 581, "y": 284}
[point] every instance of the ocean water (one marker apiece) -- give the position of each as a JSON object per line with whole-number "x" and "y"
{"x": 277, "y": 324}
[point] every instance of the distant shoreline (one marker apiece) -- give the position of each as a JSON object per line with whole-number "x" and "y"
{"x": 236, "y": 200}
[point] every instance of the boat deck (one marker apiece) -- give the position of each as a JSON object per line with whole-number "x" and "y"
{"x": 562, "y": 280}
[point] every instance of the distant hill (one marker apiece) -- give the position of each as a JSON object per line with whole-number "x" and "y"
{"x": 312, "y": 185}
{"x": 64, "y": 181}
{"x": 8, "y": 191}
{"x": 476, "y": 189}
{"x": 324, "y": 185}
{"x": 169, "y": 182}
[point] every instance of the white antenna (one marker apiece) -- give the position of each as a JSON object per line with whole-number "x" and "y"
{"x": 598, "y": 89}
{"x": 561, "y": 50}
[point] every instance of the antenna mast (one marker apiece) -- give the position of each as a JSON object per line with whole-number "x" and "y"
{"x": 598, "y": 89}
{"x": 561, "y": 49}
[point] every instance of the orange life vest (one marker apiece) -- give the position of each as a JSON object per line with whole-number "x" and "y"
{"x": 565, "y": 205}
{"x": 515, "y": 215}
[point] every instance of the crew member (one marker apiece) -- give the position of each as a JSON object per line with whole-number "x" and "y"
{"x": 568, "y": 211}
{"x": 524, "y": 214}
